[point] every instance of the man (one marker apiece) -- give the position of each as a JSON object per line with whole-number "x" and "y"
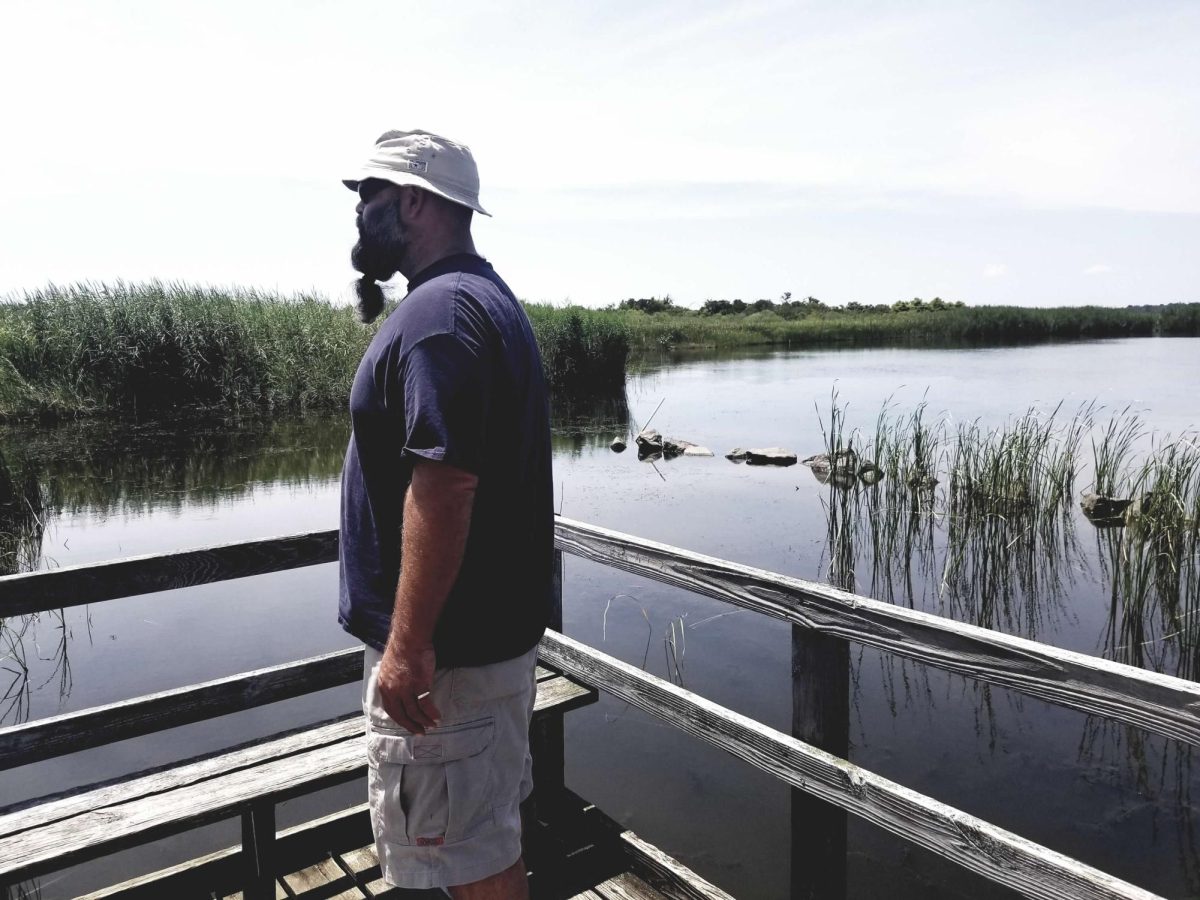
{"x": 446, "y": 528}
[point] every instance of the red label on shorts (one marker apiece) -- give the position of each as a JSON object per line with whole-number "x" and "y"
{"x": 430, "y": 842}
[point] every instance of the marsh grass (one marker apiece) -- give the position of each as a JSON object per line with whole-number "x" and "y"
{"x": 22, "y": 516}
{"x": 584, "y": 351}
{"x": 980, "y": 524}
{"x": 1154, "y": 563}
{"x": 967, "y": 325}
{"x": 95, "y": 347}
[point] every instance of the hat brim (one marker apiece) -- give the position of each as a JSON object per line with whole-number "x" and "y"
{"x": 405, "y": 178}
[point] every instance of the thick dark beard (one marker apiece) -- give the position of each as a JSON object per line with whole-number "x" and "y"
{"x": 377, "y": 256}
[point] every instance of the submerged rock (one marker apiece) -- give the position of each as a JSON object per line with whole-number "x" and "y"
{"x": 843, "y": 461}
{"x": 770, "y": 456}
{"x": 1101, "y": 510}
{"x": 869, "y": 473}
{"x": 617, "y": 446}
{"x": 839, "y": 478}
{"x": 649, "y": 438}
{"x": 921, "y": 480}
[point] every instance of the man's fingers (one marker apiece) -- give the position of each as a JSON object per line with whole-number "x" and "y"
{"x": 417, "y": 711}
{"x": 431, "y": 710}
{"x": 398, "y": 714}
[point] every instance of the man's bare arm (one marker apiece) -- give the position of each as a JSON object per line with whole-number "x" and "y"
{"x": 437, "y": 519}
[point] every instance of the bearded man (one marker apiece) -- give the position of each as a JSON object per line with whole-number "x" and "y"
{"x": 446, "y": 528}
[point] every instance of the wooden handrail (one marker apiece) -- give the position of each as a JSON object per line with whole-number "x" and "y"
{"x": 993, "y": 852}
{"x": 1159, "y": 703}
{"x": 33, "y": 592}
{"x": 74, "y": 731}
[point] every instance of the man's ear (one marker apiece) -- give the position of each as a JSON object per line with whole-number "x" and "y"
{"x": 414, "y": 202}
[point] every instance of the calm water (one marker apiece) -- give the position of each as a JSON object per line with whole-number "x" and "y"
{"x": 1114, "y": 797}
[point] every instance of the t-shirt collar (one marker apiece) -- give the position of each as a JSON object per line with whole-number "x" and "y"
{"x": 455, "y": 262}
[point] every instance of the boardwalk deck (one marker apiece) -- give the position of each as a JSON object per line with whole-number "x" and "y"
{"x": 575, "y": 852}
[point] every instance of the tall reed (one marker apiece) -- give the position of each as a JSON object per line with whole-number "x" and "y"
{"x": 66, "y": 351}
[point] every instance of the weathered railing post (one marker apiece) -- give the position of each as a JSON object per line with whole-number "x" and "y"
{"x": 820, "y": 717}
{"x": 546, "y": 739}
{"x": 258, "y": 851}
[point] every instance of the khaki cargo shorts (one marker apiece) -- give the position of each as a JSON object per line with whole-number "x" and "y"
{"x": 445, "y": 805}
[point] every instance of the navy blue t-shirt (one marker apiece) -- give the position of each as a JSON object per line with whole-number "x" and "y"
{"x": 453, "y": 375}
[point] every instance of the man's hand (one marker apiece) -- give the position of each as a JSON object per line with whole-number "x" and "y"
{"x": 404, "y": 675}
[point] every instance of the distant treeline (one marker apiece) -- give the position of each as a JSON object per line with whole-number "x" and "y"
{"x": 725, "y": 323}
{"x": 68, "y": 351}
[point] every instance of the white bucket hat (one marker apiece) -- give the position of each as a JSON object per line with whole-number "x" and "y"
{"x": 427, "y": 161}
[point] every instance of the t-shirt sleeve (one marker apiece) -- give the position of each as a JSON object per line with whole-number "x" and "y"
{"x": 446, "y": 393}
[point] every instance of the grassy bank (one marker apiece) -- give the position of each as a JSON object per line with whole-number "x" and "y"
{"x": 85, "y": 348}
{"x": 905, "y": 324}
{"x": 93, "y": 348}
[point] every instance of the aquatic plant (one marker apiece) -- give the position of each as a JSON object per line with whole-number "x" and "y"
{"x": 584, "y": 351}
{"x": 22, "y": 516}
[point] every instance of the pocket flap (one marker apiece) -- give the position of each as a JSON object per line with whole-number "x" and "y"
{"x": 436, "y": 746}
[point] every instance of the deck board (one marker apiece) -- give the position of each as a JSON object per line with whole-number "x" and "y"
{"x": 323, "y": 880}
{"x": 88, "y": 823}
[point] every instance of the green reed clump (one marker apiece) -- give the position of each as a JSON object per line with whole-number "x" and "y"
{"x": 584, "y": 351}
{"x": 66, "y": 351}
{"x": 1026, "y": 465}
{"x": 1111, "y": 454}
{"x": 923, "y": 325}
{"x": 22, "y": 517}
{"x": 1155, "y": 563}
{"x": 156, "y": 345}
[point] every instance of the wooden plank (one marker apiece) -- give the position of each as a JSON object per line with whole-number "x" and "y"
{"x": 999, "y": 855}
{"x": 71, "y": 732}
{"x": 280, "y": 894}
{"x": 32, "y": 592}
{"x": 668, "y": 875}
{"x": 120, "y": 825}
{"x": 85, "y": 799}
{"x": 555, "y": 695}
{"x": 1158, "y": 703}
{"x": 364, "y": 864}
{"x": 324, "y": 880}
{"x": 298, "y": 846}
{"x": 626, "y": 886}
{"x": 562, "y": 695}
{"x": 90, "y": 822}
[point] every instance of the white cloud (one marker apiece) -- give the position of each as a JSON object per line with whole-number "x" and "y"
{"x": 995, "y": 270}
{"x": 1098, "y": 269}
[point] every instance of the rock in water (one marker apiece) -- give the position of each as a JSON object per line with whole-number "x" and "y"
{"x": 771, "y": 456}
{"x": 617, "y": 446}
{"x": 869, "y": 473}
{"x": 697, "y": 451}
{"x": 649, "y": 443}
{"x": 843, "y": 461}
{"x": 737, "y": 454}
{"x": 1102, "y": 510}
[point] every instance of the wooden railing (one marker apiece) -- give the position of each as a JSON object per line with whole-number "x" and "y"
{"x": 1157, "y": 703}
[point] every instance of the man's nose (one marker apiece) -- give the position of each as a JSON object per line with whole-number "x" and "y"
{"x": 358, "y": 208}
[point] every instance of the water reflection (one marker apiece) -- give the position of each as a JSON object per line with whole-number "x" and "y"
{"x": 581, "y": 426}
{"x": 113, "y": 467}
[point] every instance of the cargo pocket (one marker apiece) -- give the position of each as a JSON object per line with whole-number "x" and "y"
{"x": 432, "y": 788}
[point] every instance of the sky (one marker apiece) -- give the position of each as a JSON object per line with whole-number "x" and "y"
{"x": 1014, "y": 152}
